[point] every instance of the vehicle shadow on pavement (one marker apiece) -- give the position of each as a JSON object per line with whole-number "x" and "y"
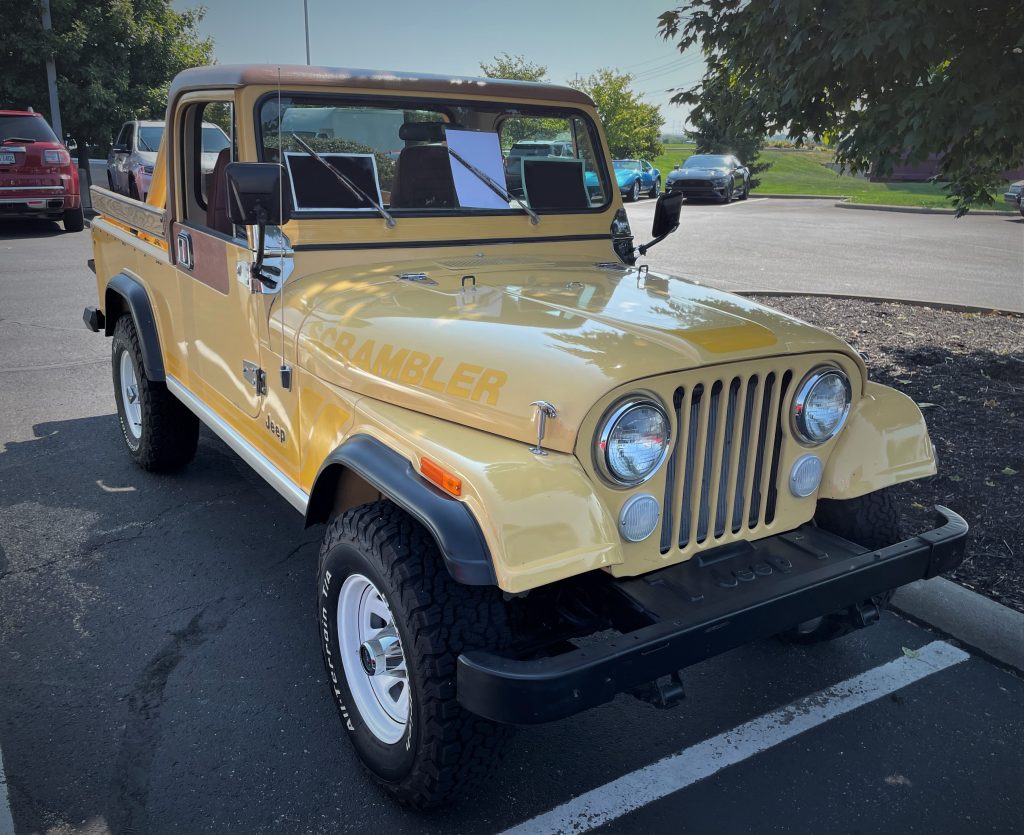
{"x": 24, "y": 229}
{"x": 162, "y": 672}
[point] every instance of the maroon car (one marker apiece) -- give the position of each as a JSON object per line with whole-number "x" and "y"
{"x": 37, "y": 176}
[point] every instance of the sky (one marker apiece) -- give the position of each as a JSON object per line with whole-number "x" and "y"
{"x": 452, "y": 37}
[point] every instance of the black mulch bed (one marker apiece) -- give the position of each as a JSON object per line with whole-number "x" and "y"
{"x": 966, "y": 372}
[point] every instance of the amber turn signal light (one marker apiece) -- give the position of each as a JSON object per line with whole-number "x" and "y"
{"x": 441, "y": 477}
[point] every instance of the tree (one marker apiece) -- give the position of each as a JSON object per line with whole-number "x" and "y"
{"x": 115, "y": 60}
{"x": 633, "y": 126}
{"x": 723, "y": 122}
{"x": 514, "y": 67}
{"x": 889, "y": 80}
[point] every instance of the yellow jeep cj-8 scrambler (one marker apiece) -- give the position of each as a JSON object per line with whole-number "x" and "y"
{"x": 548, "y": 475}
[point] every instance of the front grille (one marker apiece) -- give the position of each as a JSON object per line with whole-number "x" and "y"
{"x": 721, "y": 479}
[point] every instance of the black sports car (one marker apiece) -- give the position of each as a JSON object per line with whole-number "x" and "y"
{"x": 718, "y": 176}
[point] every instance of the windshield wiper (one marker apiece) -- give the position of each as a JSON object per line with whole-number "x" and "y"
{"x": 493, "y": 186}
{"x": 345, "y": 181}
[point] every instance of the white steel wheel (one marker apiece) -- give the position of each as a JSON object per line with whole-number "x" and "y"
{"x": 372, "y": 656}
{"x": 130, "y": 397}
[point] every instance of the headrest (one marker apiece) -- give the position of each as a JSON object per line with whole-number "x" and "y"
{"x": 422, "y": 131}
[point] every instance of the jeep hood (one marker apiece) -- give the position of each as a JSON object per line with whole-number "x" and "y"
{"x": 477, "y": 341}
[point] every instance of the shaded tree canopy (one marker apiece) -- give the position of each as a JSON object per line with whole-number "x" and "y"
{"x": 884, "y": 81}
{"x": 115, "y": 60}
{"x": 633, "y": 126}
{"x": 721, "y": 124}
{"x": 514, "y": 67}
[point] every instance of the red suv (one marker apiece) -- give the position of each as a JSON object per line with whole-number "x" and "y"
{"x": 37, "y": 177}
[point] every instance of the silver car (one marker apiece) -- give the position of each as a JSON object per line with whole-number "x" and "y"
{"x": 131, "y": 160}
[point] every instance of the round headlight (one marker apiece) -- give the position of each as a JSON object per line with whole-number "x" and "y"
{"x": 633, "y": 442}
{"x": 821, "y": 405}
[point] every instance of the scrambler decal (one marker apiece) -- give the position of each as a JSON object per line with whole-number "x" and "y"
{"x": 415, "y": 368}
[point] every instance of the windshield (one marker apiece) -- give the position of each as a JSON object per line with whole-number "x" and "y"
{"x": 706, "y": 161}
{"x": 214, "y": 140}
{"x": 149, "y": 138}
{"x": 26, "y": 127}
{"x": 626, "y": 164}
{"x": 544, "y": 157}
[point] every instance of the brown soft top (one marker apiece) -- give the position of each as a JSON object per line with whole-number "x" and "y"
{"x": 220, "y": 76}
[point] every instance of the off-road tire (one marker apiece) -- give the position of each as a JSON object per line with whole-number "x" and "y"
{"x": 170, "y": 432}
{"x": 872, "y": 521}
{"x": 445, "y": 750}
{"x": 74, "y": 220}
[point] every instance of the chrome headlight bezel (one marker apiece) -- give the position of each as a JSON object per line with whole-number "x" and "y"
{"x": 803, "y": 392}
{"x": 606, "y": 426}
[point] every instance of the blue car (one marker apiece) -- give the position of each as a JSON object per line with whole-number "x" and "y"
{"x": 636, "y": 177}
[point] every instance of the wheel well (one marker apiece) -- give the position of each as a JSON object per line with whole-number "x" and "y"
{"x": 114, "y": 307}
{"x": 337, "y": 489}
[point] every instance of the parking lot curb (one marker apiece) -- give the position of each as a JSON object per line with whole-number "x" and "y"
{"x": 957, "y": 308}
{"x": 844, "y": 203}
{"x": 989, "y": 627}
{"x": 800, "y": 196}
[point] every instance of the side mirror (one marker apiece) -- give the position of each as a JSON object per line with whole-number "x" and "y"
{"x": 119, "y": 149}
{"x": 666, "y": 219}
{"x": 255, "y": 194}
{"x": 666, "y": 214}
{"x": 256, "y": 197}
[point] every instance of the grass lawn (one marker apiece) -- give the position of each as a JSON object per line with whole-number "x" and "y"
{"x": 804, "y": 172}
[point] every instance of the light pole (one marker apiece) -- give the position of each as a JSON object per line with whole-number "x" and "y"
{"x": 51, "y": 76}
{"x": 305, "y": 12}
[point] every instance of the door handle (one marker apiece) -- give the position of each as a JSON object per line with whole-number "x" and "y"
{"x": 185, "y": 258}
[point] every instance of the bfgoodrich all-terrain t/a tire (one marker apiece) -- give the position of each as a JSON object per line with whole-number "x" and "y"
{"x": 872, "y": 521}
{"x": 381, "y": 578}
{"x": 160, "y": 432}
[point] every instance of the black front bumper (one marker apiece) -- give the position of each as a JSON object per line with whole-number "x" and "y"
{"x": 697, "y": 609}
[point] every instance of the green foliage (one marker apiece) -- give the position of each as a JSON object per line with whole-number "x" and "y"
{"x": 885, "y": 81}
{"x": 632, "y": 126}
{"x": 723, "y": 123}
{"x": 514, "y": 67}
{"x": 115, "y": 60}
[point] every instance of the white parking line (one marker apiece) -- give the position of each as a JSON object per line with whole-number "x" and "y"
{"x": 6, "y": 821}
{"x": 619, "y": 797}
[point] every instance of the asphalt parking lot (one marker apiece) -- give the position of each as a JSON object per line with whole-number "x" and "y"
{"x": 799, "y": 246}
{"x": 159, "y": 671}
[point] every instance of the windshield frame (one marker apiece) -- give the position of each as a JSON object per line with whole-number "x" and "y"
{"x": 442, "y": 105}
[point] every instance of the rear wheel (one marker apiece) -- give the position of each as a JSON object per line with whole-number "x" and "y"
{"x": 872, "y": 521}
{"x": 392, "y": 625}
{"x": 74, "y": 220}
{"x": 160, "y": 432}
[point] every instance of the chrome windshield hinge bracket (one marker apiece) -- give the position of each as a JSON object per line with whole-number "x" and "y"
{"x": 255, "y": 377}
{"x": 544, "y": 411}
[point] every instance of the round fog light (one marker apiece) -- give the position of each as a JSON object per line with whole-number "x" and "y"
{"x": 806, "y": 475}
{"x": 638, "y": 517}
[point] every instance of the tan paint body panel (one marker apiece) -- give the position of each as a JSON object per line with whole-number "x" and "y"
{"x": 449, "y": 369}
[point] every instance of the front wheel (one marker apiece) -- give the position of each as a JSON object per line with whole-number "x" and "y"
{"x": 634, "y": 192}
{"x": 872, "y": 521}
{"x": 655, "y": 189}
{"x": 392, "y": 624}
{"x": 160, "y": 432}
{"x": 746, "y": 190}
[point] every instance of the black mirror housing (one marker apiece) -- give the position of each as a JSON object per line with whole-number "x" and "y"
{"x": 666, "y": 214}
{"x": 256, "y": 194}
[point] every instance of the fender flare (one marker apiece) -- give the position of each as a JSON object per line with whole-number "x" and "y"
{"x": 449, "y": 521}
{"x": 135, "y": 300}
